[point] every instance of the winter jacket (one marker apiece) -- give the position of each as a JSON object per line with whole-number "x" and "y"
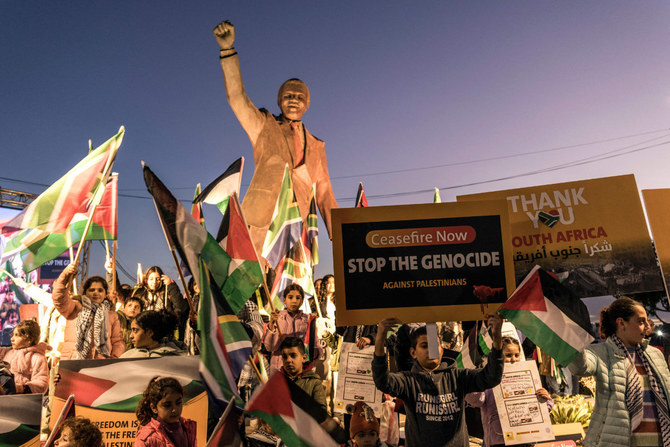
{"x": 163, "y": 350}
{"x": 310, "y": 383}
{"x": 152, "y": 434}
{"x": 493, "y": 433}
{"x": 434, "y": 401}
{"x": 296, "y": 326}
{"x": 69, "y": 308}
{"x": 610, "y": 421}
{"x": 29, "y": 366}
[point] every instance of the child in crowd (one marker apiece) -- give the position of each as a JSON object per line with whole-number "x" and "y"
{"x": 159, "y": 415}
{"x": 433, "y": 392}
{"x": 364, "y": 428}
{"x": 294, "y": 368}
{"x": 150, "y": 333}
{"x": 79, "y": 432}
{"x": 92, "y": 330}
{"x": 292, "y": 322}
{"x": 493, "y": 435}
{"x": 132, "y": 307}
{"x": 26, "y": 358}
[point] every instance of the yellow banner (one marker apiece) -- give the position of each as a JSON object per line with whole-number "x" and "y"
{"x": 591, "y": 233}
{"x": 658, "y": 212}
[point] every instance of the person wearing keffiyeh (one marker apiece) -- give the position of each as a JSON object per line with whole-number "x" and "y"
{"x": 632, "y": 381}
{"x": 92, "y": 330}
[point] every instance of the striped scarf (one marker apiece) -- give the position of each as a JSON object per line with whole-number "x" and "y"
{"x": 93, "y": 319}
{"x": 634, "y": 392}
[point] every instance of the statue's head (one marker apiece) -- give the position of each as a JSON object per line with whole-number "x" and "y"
{"x": 293, "y": 99}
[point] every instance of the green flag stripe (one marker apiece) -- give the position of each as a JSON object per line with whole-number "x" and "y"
{"x": 542, "y": 335}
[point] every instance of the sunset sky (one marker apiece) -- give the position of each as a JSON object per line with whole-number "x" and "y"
{"x": 465, "y": 96}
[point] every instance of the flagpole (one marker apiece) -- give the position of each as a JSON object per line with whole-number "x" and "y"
{"x": 258, "y": 373}
{"x": 74, "y": 278}
{"x": 265, "y": 284}
{"x": 223, "y": 417}
{"x": 114, "y": 247}
{"x": 106, "y": 172}
{"x": 61, "y": 417}
{"x": 174, "y": 258}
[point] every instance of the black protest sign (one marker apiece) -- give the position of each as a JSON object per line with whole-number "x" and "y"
{"x": 436, "y": 262}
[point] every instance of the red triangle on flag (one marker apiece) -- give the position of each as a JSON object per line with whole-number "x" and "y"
{"x": 273, "y": 398}
{"x": 528, "y": 296}
{"x": 238, "y": 242}
{"x": 87, "y": 388}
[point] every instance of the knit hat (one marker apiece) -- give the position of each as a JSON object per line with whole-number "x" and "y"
{"x": 363, "y": 418}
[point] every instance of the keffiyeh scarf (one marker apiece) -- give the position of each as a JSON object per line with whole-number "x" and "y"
{"x": 93, "y": 320}
{"x": 634, "y": 391}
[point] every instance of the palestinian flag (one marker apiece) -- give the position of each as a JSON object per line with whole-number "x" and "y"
{"x": 118, "y": 384}
{"x": 361, "y": 200}
{"x": 8, "y": 272}
{"x": 20, "y": 420}
{"x": 192, "y": 241}
{"x": 550, "y": 315}
{"x": 484, "y": 340}
{"x": 296, "y": 418}
{"x": 196, "y": 207}
{"x": 470, "y": 356}
{"x": 286, "y": 226}
{"x": 436, "y": 196}
{"x": 224, "y": 289}
{"x": 35, "y": 247}
{"x": 219, "y": 191}
{"x": 35, "y": 293}
{"x": 53, "y": 210}
{"x": 245, "y": 269}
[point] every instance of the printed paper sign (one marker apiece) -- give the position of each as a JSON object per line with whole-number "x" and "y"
{"x": 354, "y": 381}
{"x": 523, "y": 418}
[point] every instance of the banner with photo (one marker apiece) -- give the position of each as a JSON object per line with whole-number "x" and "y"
{"x": 421, "y": 263}
{"x": 658, "y": 213}
{"x": 107, "y": 392}
{"x": 591, "y": 233}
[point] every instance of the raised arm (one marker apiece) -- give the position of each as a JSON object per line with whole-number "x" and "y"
{"x": 247, "y": 114}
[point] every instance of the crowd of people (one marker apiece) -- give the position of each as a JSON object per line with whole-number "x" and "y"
{"x": 302, "y": 342}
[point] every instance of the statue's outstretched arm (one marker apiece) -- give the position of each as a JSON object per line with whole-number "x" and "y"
{"x": 248, "y": 115}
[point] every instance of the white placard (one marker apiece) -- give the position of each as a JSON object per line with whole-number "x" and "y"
{"x": 354, "y": 381}
{"x": 523, "y": 418}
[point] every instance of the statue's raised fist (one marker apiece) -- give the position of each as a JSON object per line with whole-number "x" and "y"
{"x": 224, "y": 33}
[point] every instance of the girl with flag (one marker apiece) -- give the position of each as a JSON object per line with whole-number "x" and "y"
{"x": 292, "y": 322}
{"x": 632, "y": 381}
{"x": 92, "y": 330}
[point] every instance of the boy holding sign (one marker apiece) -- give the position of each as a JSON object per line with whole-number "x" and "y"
{"x": 434, "y": 392}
